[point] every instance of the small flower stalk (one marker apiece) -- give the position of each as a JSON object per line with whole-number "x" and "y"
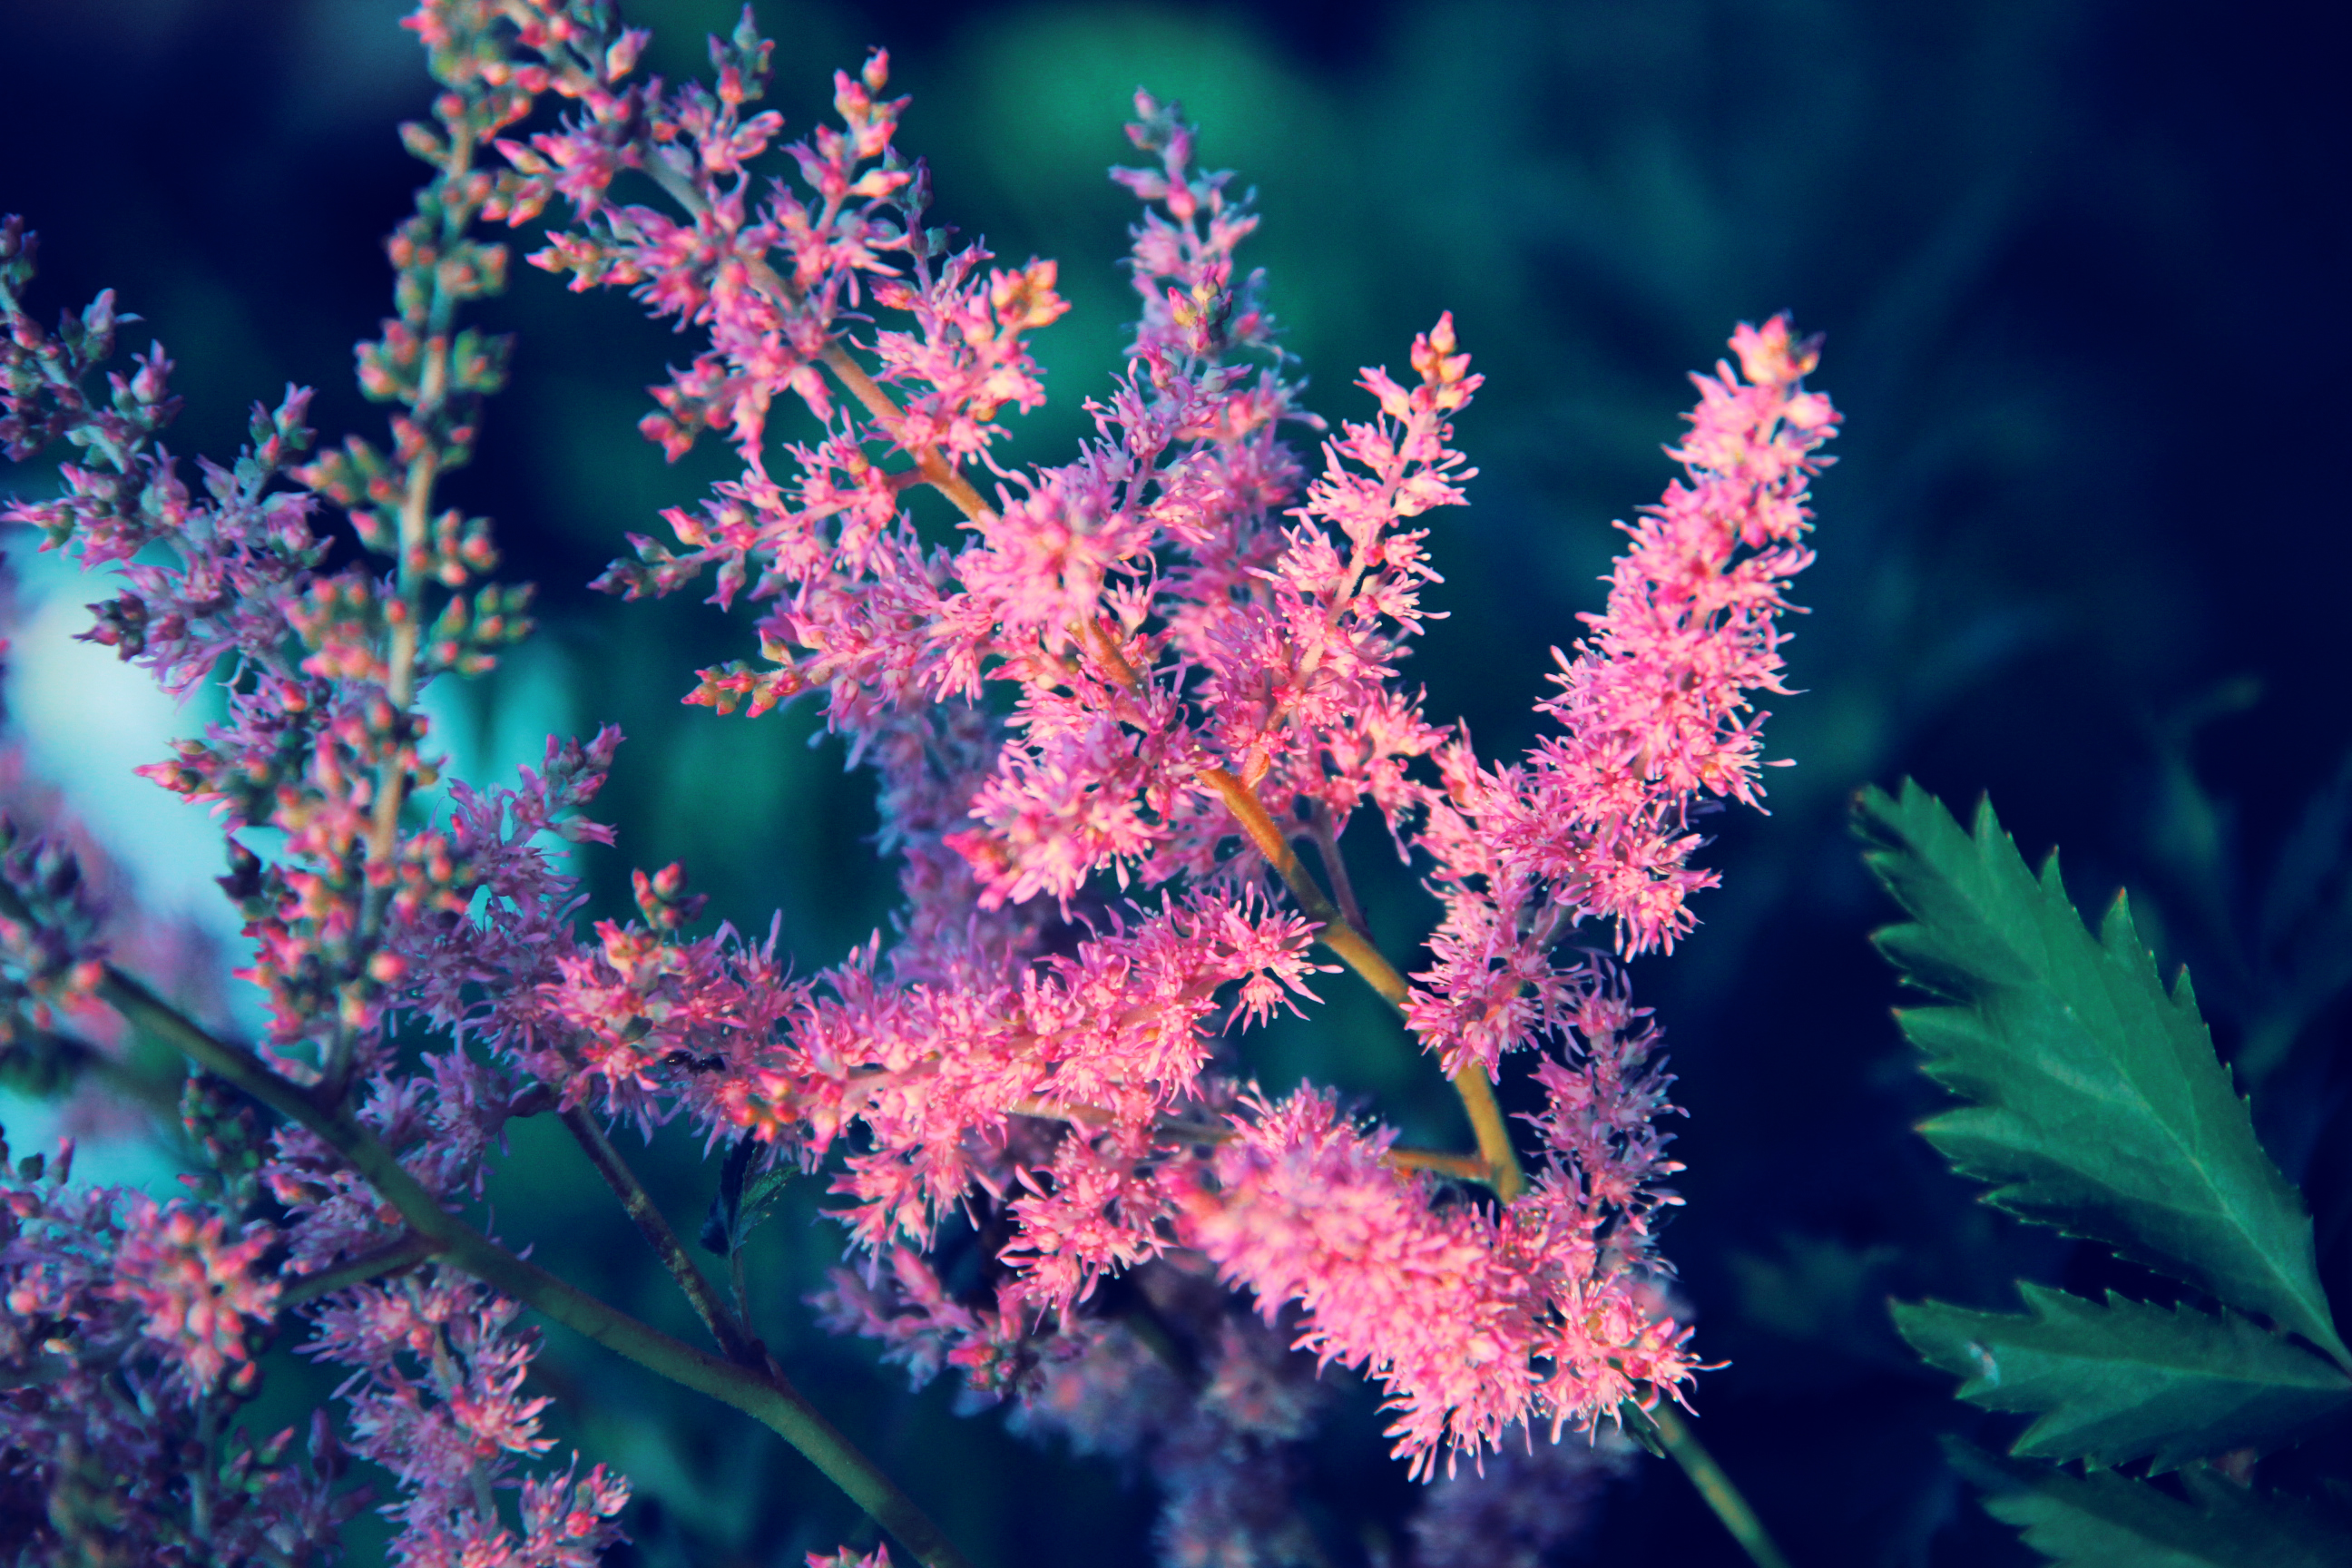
{"x": 1111, "y": 724}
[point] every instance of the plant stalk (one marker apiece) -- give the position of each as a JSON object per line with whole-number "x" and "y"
{"x": 1356, "y": 950}
{"x": 732, "y": 1338}
{"x": 763, "y": 1393}
{"x": 1685, "y": 1449}
{"x": 405, "y": 1253}
{"x": 934, "y": 468}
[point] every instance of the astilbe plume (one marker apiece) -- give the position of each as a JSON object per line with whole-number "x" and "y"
{"x": 361, "y": 910}
{"x": 128, "y": 1332}
{"x": 1099, "y": 720}
{"x": 1184, "y": 618}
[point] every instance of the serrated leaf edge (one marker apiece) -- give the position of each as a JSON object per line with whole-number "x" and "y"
{"x": 1881, "y": 821}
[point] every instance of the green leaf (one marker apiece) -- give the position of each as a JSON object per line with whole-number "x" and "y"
{"x": 2127, "y": 1381}
{"x": 744, "y": 1197}
{"x": 2107, "y": 1520}
{"x": 2100, "y": 1106}
{"x": 1636, "y": 1424}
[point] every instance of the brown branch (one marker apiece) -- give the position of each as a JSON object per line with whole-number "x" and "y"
{"x": 732, "y": 1338}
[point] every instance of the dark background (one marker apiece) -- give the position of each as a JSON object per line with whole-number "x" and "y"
{"x": 2080, "y": 267}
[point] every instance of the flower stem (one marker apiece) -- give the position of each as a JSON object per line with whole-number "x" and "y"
{"x": 935, "y": 469}
{"x": 732, "y": 1338}
{"x": 1461, "y": 1167}
{"x": 405, "y": 1253}
{"x": 1685, "y": 1449}
{"x": 761, "y": 1392}
{"x": 1335, "y": 868}
{"x": 1485, "y": 1115}
{"x": 1356, "y": 950}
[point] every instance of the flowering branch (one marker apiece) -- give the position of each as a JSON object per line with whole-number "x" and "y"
{"x": 391, "y": 1259}
{"x": 759, "y": 1390}
{"x": 1498, "y": 1165}
{"x": 934, "y": 470}
{"x": 1195, "y": 640}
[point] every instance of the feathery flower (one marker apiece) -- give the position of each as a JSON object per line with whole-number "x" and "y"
{"x": 1099, "y": 718}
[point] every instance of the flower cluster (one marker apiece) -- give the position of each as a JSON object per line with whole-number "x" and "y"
{"x": 362, "y": 909}
{"x": 128, "y": 1332}
{"x": 1476, "y": 1322}
{"x": 437, "y": 1401}
{"x": 1104, "y": 721}
{"x": 1654, "y": 718}
{"x": 1201, "y": 643}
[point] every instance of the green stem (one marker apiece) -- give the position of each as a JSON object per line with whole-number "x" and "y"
{"x": 1685, "y": 1449}
{"x": 407, "y": 1252}
{"x": 762, "y": 1392}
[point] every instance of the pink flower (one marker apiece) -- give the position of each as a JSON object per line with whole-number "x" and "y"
{"x": 198, "y": 1291}
{"x": 877, "y": 1558}
{"x": 1134, "y": 683}
{"x": 1655, "y": 719}
{"x": 1473, "y": 1325}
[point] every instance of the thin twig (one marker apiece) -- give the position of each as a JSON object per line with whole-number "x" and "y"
{"x": 1176, "y": 1129}
{"x": 1335, "y": 870}
{"x": 1356, "y": 950}
{"x": 935, "y": 469}
{"x": 733, "y": 1342}
{"x": 1347, "y": 939}
{"x": 405, "y": 1253}
{"x": 1461, "y": 1167}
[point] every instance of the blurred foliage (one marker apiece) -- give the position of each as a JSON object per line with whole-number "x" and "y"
{"x": 2079, "y": 276}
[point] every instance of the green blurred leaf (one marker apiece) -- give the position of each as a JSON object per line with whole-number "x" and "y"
{"x": 2106, "y": 1520}
{"x": 2100, "y": 1106}
{"x": 2306, "y": 931}
{"x": 2125, "y": 1380}
{"x": 1819, "y": 1289}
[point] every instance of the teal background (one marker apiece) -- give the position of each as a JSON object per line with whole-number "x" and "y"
{"x": 2080, "y": 267}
